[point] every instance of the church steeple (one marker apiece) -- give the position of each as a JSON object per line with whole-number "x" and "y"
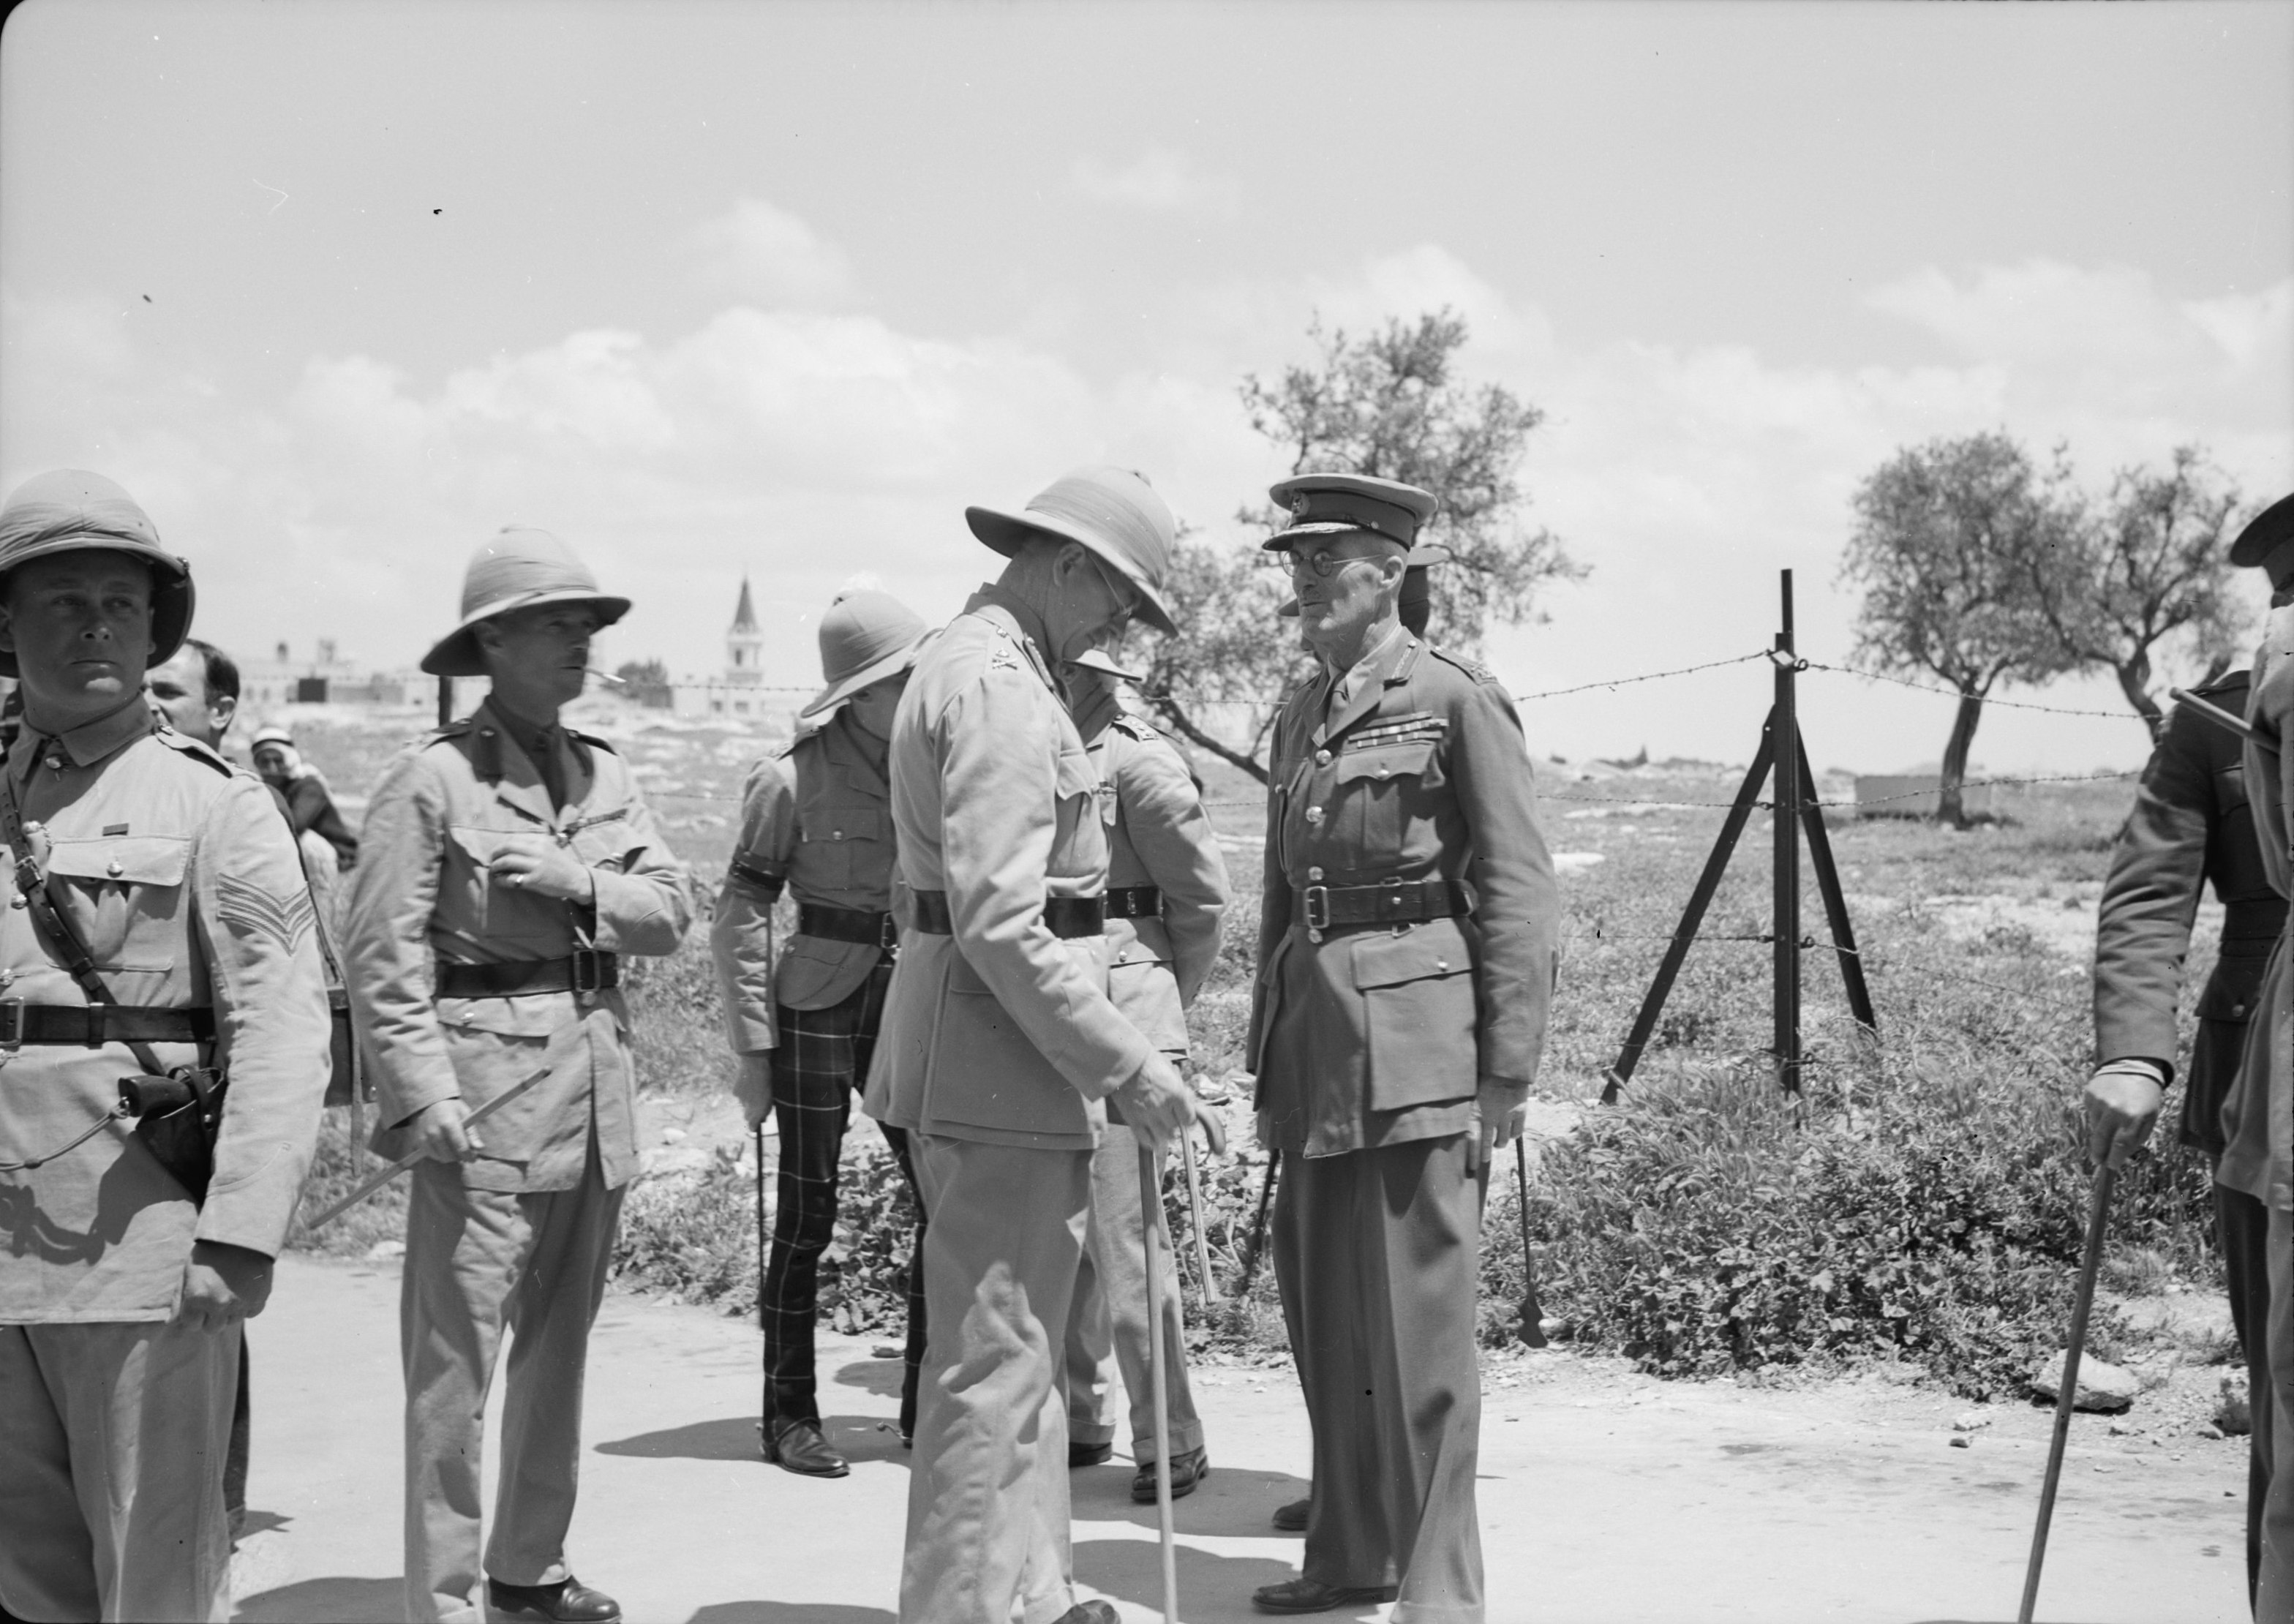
{"x": 744, "y": 644}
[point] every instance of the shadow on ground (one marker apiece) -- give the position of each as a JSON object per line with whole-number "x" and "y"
{"x": 734, "y": 1438}
{"x": 788, "y": 1612}
{"x": 327, "y": 1601}
{"x": 881, "y": 1376}
{"x": 1132, "y": 1570}
{"x": 1231, "y": 1502}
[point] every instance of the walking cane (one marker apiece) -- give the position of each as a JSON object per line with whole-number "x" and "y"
{"x": 1532, "y": 1312}
{"x": 1150, "y": 1227}
{"x": 2098, "y": 1210}
{"x": 1195, "y": 1221}
{"x": 384, "y": 1177}
{"x": 759, "y": 1131}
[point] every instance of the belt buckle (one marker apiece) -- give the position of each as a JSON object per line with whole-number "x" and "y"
{"x": 588, "y": 970}
{"x": 11, "y": 1025}
{"x": 888, "y": 933}
{"x": 1315, "y": 899}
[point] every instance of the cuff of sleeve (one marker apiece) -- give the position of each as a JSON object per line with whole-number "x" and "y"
{"x": 2140, "y": 1065}
{"x": 1133, "y": 1056}
{"x": 254, "y": 1220}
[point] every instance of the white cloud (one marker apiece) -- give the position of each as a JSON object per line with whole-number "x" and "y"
{"x": 759, "y": 254}
{"x": 1158, "y": 179}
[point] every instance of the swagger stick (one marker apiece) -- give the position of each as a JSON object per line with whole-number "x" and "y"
{"x": 1151, "y": 1229}
{"x": 1532, "y": 1312}
{"x": 381, "y": 1179}
{"x": 1195, "y": 1222}
{"x": 1258, "y": 1226}
{"x": 2098, "y": 1211}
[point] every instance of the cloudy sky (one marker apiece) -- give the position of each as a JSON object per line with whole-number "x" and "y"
{"x": 338, "y": 290}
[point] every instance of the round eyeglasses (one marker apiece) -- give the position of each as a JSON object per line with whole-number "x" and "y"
{"x": 1323, "y": 562}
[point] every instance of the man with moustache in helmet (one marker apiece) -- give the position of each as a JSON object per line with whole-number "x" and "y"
{"x": 1000, "y": 1041}
{"x": 1406, "y": 954}
{"x": 159, "y": 926}
{"x": 816, "y": 819}
{"x": 1166, "y": 894}
{"x": 519, "y": 855}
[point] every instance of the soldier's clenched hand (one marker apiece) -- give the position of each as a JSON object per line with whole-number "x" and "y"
{"x": 222, "y": 1284}
{"x": 1156, "y": 1102}
{"x": 752, "y": 1086}
{"x": 1500, "y": 1110}
{"x": 436, "y": 1132}
{"x": 538, "y": 863}
{"x": 2122, "y": 1102}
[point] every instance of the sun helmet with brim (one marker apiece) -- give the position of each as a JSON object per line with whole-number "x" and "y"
{"x": 1100, "y": 660}
{"x": 865, "y": 636}
{"x": 71, "y": 510}
{"x": 2267, "y": 541}
{"x": 521, "y": 568}
{"x": 1112, "y": 512}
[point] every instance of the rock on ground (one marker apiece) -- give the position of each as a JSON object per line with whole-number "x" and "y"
{"x": 2103, "y": 1387}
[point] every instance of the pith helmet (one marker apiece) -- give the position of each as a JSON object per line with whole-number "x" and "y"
{"x": 864, "y": 638}
{"x": 517, "y": 569}
{"x": 71, "y": 510}
{"x": 1112, "y": 511}
{"x": 2268, "y": 541}
{"x": 1331, "y": 504}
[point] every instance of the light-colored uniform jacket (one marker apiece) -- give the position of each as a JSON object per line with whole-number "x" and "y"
{"x": 185, "y": 886}
{"x": 817, "y": 818}
{"x": 1003, "y": 1033}
{"x": 1157, "y": 834}
{"x": 443, "y": 811}
{"x": 1376, "y": 1035}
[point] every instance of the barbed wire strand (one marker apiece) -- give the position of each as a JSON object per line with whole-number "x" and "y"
{"x": 1954, "y": 694}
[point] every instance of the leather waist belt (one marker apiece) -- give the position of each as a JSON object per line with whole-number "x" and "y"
{"x": 1408, "y": 901}
{"x": 1135, "y": 902}
{"x": 847, "y": 925}
{"x": 95, "y": 1025}
{"x": 1068, "y": 916}
{"x": 584, "y": 972}
{"x": 2258, "y": 920}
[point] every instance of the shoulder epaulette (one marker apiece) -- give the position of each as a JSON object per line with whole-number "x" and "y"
{"x": 439, "y": 735}
{"x": 184, "y": 744}
{"x": 1474, "y": 669}
{"x": 2229, "y": 682}
{"x": 1136, "y": 727}
{"x": 593, "y": 741}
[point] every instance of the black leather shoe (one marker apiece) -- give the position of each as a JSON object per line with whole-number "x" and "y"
{"x": 798, "y": 1447}
{"x": 1313, "y": 1595}
{"x": 1090, "y": 1613}
{"x": 571, "y": 1601}
{"x": 1188, "y": 1469}
{"x": 1089, "y": 1455}
{"x": 1291, "y": 1519}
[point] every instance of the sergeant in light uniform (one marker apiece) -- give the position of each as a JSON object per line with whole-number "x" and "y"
{"x": 2191, "y": 826}
{"x": 999, "y": 1039}
{"x": 817, "y": 818}
{"x": 520, "y": 853}
{"x": 1165, "y": 892}
{"x": 121, "y": 1291}
{"x": 2258, "y": 1159}
{"x": 1405, "y": 968}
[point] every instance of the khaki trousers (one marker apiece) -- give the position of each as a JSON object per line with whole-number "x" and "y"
{"x": 1107, "y": 1324}
{"x": 478, "y": 1261}
{"x": 111, "y": 1449}
{"x": 988, "y": 1486}
{"x": 1378, "y": 1254}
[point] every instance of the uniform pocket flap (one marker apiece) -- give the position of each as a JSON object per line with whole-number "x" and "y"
{"x": 2232, "y": 991}
{"x": 1390, "y": 960}
{"x": 143, "y": 859}
{"x": 1385, "y": 761}
{"x": 481, "y": 845}
{"x": 814, "y": 972}
{"x": 1076, "y": 775}
{"x": 848, "y": 824}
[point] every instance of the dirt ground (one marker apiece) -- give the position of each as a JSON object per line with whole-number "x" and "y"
{"x": 1606, "y": 1498}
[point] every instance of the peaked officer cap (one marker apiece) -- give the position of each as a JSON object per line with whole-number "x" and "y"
{"x": 517, "y": 569}
{"x": 1100, "y": 660}
{"x": 1112, "y": 511}
{"x": 864, "y": 638}
{"x": 1331, "y": 504}
{"x": 72, "y": 510}
{"x": 2268, "y": 540}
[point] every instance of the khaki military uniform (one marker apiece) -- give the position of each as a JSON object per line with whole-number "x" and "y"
{"x": 185, "y": 888}
{"x": 998, "y": 1043}
{"x": 520, "y": 1235}
{"x": 2191, "y": 827}
{"x": 1405, "y": 953}
{"x": 817, "y": 820}
{"x": 1167, "y": 887}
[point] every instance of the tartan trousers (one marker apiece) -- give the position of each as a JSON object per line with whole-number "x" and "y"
{"x": 821, "y": 1063}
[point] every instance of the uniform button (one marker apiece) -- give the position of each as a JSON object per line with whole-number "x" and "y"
{"x": 17, "y": 901}
{"x": 1321, "y": 758}
{"x": 1314, "y": 873}
{"x": 113, "y": 869}
{"x": 1386, "y": 772}
{"x": 1313, "y": 815}
{"x": 55, "y": 764}
{"x": 1313, "y": 936}
{"x": 485, "y": 733}
{"x": 1441, "y": 963}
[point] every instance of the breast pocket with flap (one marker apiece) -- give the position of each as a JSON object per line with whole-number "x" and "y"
{"x": 126, "y": 896}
